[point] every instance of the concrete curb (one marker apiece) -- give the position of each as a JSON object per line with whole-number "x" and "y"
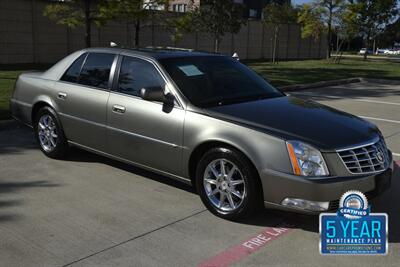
{"x": 296, "y": 87}
{"x": 381, "y": 81}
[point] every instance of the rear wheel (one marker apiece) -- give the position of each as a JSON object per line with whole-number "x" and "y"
{"x": 228, "y": 184}
{"x": 49, "y": 133}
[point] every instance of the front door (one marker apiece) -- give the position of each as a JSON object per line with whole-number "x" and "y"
{"x": 142, "y": 131}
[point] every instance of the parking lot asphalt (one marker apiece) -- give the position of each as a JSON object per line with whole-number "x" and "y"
{"x": 91, "y": 211}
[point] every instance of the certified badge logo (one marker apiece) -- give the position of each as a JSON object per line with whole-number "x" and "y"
{"x": 353, "y": 205}
{"x": 353, "y": 229}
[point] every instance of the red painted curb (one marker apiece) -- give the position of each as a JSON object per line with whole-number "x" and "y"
{"x": 397, "y": 163}
{"x": 247, "y": 247}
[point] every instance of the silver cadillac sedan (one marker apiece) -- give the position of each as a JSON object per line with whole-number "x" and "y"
{"x": 207, "y": 120}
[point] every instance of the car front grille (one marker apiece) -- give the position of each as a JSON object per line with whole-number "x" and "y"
{"x": 370, "y": 158}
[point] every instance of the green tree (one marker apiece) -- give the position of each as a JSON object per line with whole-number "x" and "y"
{"x": 278, "y": 14}
{"x": 215, "y": 17}
{"x": 178, "y": 24}
{"x": 319, "y": 17}
{"x": 371, "y": 17}
{"x": 133, "y": 12}
{"x": 390, "y": 35}
{"x": 344, "y": 28}
{"x": 75, "y": 13}
{"x": 311, "y": 22}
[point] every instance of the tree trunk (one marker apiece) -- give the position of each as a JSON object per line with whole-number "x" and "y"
{"x": 328, "y": 52}
{"x": 374, "y": 46}
{"x": 366, "y": 46}
{"x": 87, "y": 24}
{"x": 216, "y": 44}
{"x": 337, "y": 44}
{"x": 275, "y": 43}
{"x": 137, "y": 33}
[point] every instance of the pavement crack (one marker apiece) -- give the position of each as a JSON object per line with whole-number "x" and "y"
{"x": 134, "y": 238}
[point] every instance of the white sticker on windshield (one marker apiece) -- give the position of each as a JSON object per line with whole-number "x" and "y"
{"x": 190, "y": 70}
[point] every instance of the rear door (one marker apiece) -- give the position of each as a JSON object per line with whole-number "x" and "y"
{"x": 142, "y": 131}
{"x": 82, "y": 95}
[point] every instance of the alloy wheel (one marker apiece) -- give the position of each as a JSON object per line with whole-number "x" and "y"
{"x": 224, "y": 185}
{"x": 47, "y": 131}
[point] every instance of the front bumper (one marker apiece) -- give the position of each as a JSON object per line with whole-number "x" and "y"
{"x": 278, "y": 186}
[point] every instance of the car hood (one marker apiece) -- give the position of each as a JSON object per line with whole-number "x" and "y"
{"x": 293, "y": 118}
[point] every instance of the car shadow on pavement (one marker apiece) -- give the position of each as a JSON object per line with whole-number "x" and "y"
{"x": 287, "y": 219}
{"x": 265, "y": 218}
{"x": 310, "y": 223}
{"x": 79, "y": 155}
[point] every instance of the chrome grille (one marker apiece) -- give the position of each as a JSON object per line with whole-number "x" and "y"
{"x": 365, "y": 159}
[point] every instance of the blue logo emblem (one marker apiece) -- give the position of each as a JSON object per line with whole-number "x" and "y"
{"x": 353, "y": 229}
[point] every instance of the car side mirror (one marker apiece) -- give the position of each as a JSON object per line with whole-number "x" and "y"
{"x": 153, "y": 94}
{"x": 157, "y": 94}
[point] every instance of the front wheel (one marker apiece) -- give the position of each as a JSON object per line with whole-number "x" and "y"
{"x": 228, "y": 184}
{"x": 49, "y": 134}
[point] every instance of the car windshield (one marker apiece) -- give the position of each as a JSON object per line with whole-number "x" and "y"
{"x": 209, "y": 81}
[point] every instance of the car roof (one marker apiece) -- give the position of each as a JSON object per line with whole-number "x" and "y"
{"x": 153, "y": 52}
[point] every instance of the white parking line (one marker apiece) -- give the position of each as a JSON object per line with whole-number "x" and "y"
{"x": 378, "y": 119}
{"x": 375, "y": 101}
{"x": 396, "y": 154}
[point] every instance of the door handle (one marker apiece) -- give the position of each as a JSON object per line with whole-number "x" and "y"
{"x": 62, "y": 96}
{"x": 118, "y": 109}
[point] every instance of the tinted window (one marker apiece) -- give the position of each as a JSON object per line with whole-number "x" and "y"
{"x": 96, "y": 70}
{"x": 216, "y": 80}
{"x": 72, "y": 74}
{"x": 136, "y": 74}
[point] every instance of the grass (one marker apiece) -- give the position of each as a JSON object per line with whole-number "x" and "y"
{"x": 7, "y": 80}
{"x": 281, "y": 74}
{"x": 309, "y": 71}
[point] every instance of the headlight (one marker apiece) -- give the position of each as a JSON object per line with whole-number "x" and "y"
{"x": 306, "y": 160}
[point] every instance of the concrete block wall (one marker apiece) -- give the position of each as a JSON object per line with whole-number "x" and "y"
{"x": 26, "y": 36}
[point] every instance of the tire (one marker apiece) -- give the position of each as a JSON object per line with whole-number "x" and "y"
{"x": 210, "y": 191}
{"x": 49, "y": 134}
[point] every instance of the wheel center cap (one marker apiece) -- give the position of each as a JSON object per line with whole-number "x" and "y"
{"x": 224, "y": 185}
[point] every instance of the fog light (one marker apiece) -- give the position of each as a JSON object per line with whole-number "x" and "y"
{"x": 305, "y": 204}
